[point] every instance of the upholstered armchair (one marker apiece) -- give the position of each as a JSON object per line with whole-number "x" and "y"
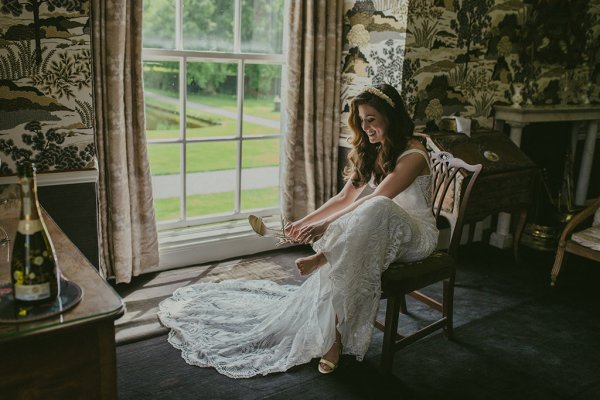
{"x": 577, "y": 239}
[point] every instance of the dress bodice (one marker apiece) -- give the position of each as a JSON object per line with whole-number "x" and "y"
{"x": 417, "y": 196}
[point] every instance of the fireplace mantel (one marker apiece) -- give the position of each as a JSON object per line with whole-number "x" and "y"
{"x": 519, "y": 117}
{"x": 558, "y": 113}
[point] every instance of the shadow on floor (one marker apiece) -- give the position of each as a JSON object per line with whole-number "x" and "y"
{"x": 516, "y": 338}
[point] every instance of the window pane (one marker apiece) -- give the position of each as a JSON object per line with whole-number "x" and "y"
{"x": 262, "y": 99}
{"x": 161, "y": 97}
{"x": 166, "y": 184}
{"x": 260, "y": 174}
{"x": 211, "y": 99}
{"x": 210, "y": 178}
{"x": 208, "y": 25}
{"x": 159, "y": 24}
{"x": 262, "y": 26}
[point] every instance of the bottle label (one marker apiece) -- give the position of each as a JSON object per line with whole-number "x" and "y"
{"x": 28, "y": 227}
{"x": 32, "y": 292}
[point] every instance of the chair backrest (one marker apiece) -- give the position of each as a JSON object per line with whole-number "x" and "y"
{"x": 448, "y": 172}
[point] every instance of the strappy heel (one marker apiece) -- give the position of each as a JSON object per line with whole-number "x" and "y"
{"x": 261, "y": 229}
{"x": 332, "y": 366}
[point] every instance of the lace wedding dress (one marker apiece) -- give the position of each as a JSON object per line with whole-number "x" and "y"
{"x": 247, "y": 328}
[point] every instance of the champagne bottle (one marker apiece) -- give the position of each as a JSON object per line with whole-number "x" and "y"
{"x": 34, "y": 271}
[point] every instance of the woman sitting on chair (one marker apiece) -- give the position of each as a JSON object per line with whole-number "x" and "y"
{"x": 247, "y": 328}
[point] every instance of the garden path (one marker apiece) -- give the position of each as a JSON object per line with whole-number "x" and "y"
{"x": 164, "y": 186}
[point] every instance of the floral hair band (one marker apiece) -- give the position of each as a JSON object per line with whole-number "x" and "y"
{"x": 381, "y": 95}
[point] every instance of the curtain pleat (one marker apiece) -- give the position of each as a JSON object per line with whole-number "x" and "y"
{"x": 128, "y": 235}
{"x": 313, "y": 106}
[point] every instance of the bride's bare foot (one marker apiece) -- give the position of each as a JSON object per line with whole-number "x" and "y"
{"x": 306, "y": 265}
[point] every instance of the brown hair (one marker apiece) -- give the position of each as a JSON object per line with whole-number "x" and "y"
{"x": 366, "y": 159}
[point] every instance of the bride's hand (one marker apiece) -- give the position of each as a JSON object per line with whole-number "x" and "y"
{"x": 312, "y": 232}
{"x": 292, "y": 229}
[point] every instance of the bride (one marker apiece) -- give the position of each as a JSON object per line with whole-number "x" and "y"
{"x": 257, "y": 327}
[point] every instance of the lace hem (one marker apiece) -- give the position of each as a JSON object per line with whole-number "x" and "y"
{"x": 248, "y": 328}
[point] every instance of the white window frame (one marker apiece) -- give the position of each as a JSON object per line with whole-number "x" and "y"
{"x": 229, "y": 235}
{"x": 241, "y": 59}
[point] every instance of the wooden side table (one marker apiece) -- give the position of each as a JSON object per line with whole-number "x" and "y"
{"x": 71, "y": 355}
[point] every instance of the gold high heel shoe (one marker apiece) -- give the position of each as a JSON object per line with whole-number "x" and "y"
{"x": 260, "y": 228}
{"x": 332, "y": 367}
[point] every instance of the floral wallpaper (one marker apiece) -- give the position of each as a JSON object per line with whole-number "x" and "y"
{"x": 460, "y": 57}
{"x": 373, "y": 51}
{"x": 464, "y": 56}
{"x": 45, "y": 85}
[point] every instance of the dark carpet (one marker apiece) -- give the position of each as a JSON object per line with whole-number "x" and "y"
{"x": 515, "y": 338}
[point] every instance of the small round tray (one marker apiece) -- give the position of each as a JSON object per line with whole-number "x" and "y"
{"x": 13, "y": 313}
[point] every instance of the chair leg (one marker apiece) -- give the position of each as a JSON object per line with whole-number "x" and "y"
{"x": 560, "y": 254}
{"x": 390, "y": 331}
{"x": 472, "y": 226}
{"x": 403, "y": 308}
{"x": 518, "y": 232}
{"x": 448, "y": 310}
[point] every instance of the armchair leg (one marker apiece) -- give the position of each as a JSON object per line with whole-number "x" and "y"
{"x": 560, "y": 254}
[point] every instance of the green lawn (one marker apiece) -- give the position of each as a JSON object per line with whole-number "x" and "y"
{"x": 164, "y": 158}
{"x": 215, "y": 156}
{"x": 214, "y": 203}
{"x": 259, "y": 107}
{"x": 163, "y": 123}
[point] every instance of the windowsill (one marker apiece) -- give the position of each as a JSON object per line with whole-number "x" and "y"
{"x": 198, "y": 245}
{"x": 198, "y": 234}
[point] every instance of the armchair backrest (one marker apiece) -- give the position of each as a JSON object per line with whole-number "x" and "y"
{"x": 449, "y": 177}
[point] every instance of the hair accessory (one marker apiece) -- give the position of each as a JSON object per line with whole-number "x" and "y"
{"x": 380, "y": 94}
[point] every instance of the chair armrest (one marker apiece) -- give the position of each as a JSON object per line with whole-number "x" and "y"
{"x": 579, "y": 218}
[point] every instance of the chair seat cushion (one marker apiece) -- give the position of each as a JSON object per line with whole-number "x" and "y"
{"x": 405, "y": 277}
{"x": 589, "y": 237}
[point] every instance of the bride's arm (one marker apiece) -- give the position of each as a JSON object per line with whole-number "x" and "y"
{"x": 345, "y": 197}
{"x": 406, "y": 171}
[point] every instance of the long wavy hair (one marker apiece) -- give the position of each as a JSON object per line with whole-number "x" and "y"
{"x": 365, "y": 158}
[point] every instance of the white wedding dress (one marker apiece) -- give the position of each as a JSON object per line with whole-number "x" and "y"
{"x": 246, "y": 328}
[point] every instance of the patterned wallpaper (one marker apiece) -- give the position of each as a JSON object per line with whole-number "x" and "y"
{"x": 477, "y": 53}
{"x": 460, "y": 57}
{"x": 446, "y": 56}
{"x": 373, "y": 52}
{"x": 45, "y": 85}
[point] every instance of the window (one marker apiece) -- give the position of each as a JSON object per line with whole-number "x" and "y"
{"x": 212, "y": 82}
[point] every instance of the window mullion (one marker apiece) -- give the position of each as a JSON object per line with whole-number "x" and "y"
{"x": 239, "y": 134}
{"x": 183, "y": 136}
{"x": 237, "y": 23}
{"x": 152, "y": 54}
{"x": 179, "y": 24}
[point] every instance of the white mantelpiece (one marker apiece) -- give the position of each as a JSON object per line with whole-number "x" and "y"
{"x": 519, "y": 117}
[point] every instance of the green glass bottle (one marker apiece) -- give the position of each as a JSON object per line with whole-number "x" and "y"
{"x": 34, "y": 270}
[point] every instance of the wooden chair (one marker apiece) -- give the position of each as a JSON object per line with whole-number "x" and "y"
{"x": 582, "y": 242}
{"x": 402, "y": 278}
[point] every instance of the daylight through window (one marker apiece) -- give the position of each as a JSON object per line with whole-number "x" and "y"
{"x": 212, "y": 84}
